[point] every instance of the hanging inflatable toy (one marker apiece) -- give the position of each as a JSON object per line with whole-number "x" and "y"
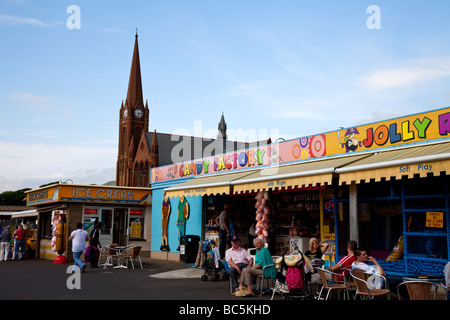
{"x": 262, "y": 215}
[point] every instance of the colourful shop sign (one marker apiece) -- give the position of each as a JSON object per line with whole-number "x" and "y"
{"x": 416, "y": 128}
{"x": 89, "y": 194}
{"x": 41, "y": 196}
{"x": 410, "y": 129}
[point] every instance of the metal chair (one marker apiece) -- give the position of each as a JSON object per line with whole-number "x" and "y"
{"x": 262, "y": 278}
{"x": 331, "y": 285}
{"x": 111, "y": 253}
{"x": 362, "y": 288}
{"x": 132, "y": 252}
{"x": 252, "y": 251}
{"x": 103, "y": 254}
{"x": 231, "y": 282}
{"x": 418, "y": 289}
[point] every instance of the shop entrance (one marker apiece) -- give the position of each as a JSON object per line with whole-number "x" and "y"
{"x": 114, "y": 222}
{"x": 120, "y": 230}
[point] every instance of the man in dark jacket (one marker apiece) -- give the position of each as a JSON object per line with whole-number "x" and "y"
{"x": 94, "y": 243}
{"x": 5, "y": 244}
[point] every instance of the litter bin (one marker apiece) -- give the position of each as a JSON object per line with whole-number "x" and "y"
{"x": 189, "y": 248}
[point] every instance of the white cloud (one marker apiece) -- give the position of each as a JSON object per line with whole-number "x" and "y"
{"x": 410, "y": 73}
{"x": 17, "y": 21}
{"x": 33, "y": 101}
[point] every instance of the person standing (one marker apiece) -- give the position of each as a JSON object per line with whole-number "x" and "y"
{"x": 222, "y": 222}
{"x": 94, "y": 243}
{"x": 19, "y": 235}
{"x": 78, "y": 238}
{"x": 5, "y": 244}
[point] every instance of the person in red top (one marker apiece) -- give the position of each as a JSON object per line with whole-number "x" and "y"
{"x": 19, "y": 236}
{"x": 346, "y": 262}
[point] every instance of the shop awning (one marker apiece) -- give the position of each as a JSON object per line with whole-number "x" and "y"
{"x": 24, "y": 214}
{"x": 207, "y": 185}
{"x": 421, "y": 160}
{"x": 305, "y": 174}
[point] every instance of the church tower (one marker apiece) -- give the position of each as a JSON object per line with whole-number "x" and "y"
{"x": 222, "y": 135}
{"x": 133, "y": 121}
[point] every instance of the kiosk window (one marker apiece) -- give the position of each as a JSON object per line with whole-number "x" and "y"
{"x": 136, "y": 224}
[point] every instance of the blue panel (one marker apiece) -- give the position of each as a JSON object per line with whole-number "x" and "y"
{"x": 193, "y": 223}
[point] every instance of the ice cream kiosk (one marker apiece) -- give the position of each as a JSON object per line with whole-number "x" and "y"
{"x": 123, "y": 211}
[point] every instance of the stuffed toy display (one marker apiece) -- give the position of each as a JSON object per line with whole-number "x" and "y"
{"x": 57, "y": 241}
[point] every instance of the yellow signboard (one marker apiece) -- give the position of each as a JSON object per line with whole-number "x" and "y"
{"x": 136, "y": 228}
{"x": 414, "y": 128}
{"x": 435, "y": 219}
{"x": 89, "y": 194}
{"x": 42, "y": 196}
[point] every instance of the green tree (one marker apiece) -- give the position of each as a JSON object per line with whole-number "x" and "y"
{"x": 13, "y": 198}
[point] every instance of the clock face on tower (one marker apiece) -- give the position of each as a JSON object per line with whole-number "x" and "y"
{"x": 125, "y": 113}
{"x": 138, "y": 113}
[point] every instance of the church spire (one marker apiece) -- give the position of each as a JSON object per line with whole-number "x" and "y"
{"x": 134, "y": 94}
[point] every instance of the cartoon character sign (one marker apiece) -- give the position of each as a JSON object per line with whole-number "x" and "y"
{"x": 183, "y": 215}
{"x": 165, "y": 212}
{"x": 350, "y": 141}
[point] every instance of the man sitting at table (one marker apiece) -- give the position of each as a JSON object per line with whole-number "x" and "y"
{"x": 375, "y": 281}
{"x": 237, "y": 258}
{"x": 346, "y": 261}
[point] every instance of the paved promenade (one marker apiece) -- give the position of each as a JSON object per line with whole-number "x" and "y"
{"x": 172, "y": 286}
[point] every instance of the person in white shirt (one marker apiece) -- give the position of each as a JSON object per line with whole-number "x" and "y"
{"x": 374, "y": 282}
{"x": 237, "y": 258}
{"x": 447, "y": 279}
{"x": 78, "y": 238}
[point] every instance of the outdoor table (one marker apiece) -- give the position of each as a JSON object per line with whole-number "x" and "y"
{"x": 433, "y": 279}
{"x": 121, "y": 252}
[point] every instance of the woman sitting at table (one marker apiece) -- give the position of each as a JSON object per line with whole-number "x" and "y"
{"x": 262, "y": 259}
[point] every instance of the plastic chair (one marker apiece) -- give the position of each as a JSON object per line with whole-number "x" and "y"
{"x": 362, "y": 288}
{"x": 331, "y": 285}
{"x": 132, "y": 252}
{"x": 418, "y": 290}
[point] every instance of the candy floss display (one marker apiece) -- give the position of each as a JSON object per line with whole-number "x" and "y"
{"x": 262, "y": 215}
{"x": 57, "y": 243}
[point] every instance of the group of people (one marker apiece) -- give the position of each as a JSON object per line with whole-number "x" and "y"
{"x": 19, "y": 236}
{"x": 241, "y": 263}
{"x": 79, "y": 238}
{"x": 357, "y": 258}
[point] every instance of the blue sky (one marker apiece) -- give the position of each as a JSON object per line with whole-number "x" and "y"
{"x": 286, "y": 68}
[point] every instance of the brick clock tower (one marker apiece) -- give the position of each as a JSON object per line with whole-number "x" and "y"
{"x": 133, "y": 124}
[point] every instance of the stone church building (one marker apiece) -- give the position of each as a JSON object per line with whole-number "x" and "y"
{"x": 140, "y": 150}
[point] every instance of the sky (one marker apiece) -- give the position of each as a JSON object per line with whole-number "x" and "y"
{"x": 279, "y": 69}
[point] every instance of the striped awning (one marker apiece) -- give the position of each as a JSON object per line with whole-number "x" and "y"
{"x": 305, "y": 174}
{"x": 206, "y": 185}
{"x": 410, "y": 161}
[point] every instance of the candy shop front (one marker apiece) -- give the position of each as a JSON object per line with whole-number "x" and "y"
{"x": 380, "y": 184}
{"x": 124, "y": 212}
